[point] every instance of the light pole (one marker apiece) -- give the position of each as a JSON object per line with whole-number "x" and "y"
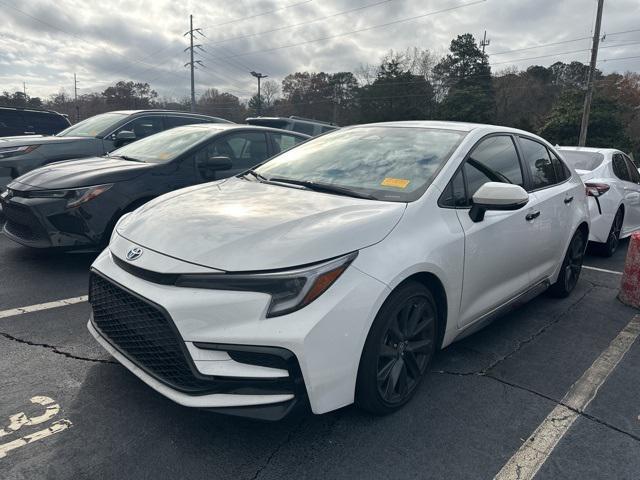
{"x": 259, "y": 76}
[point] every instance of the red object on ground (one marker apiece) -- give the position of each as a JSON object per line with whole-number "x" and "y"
{"x": 630, "y": 285}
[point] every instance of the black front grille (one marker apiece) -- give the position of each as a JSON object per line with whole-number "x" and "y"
{"x": 144, "y": 333}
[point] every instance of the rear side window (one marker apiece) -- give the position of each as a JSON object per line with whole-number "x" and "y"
{"x": 302, "y": 127}
{"x": 49, "y": 123}
{"x": 620, "y": 167}
{"x": 536, "y": 158}
{"x": 495, "y": 159}
{"x": 177, "y": 121}
{"x": 284, "y": 142}
{"x": 11, "y": 122}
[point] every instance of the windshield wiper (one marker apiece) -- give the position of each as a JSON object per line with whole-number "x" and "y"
{"x": 125, "y": 157}
{"x": 323, "y": 187}
{"x": 260, "y": 177}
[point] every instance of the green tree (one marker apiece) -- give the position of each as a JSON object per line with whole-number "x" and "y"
{"x": 464, "y": 76}
{"x": 129, "y": 95}
{"x": 606, "y": 129}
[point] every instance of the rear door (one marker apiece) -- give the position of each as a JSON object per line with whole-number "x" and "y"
{"x": 500, "y": 250}
{"x": 632, "y": 194}
{"x": 554, "y": 207}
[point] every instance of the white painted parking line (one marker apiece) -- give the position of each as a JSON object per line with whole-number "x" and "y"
{"x": 603, "y": 270}
{"x": 526, "y": 462}
{"x": 42, "y": 306}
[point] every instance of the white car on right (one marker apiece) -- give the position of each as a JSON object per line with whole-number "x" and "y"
{"x": 613, "y": 187}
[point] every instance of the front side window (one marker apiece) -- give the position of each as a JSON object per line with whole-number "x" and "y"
{"x": 302, "y": 127}
{"x": 177, "y": 121}
{"x": 620, "y": 167}
{"x": 245, "y": 150}
{"x": 455, "y": 194}
{"x": 165, "y": 146}
{"x": 143, "y": 127}
{"x": 633, "y": 170}
{"x": 495, "y": 159}
{"x": 536, "y": 158}
{"x": 388, "y": 163}
{"x": 93, "y": 126}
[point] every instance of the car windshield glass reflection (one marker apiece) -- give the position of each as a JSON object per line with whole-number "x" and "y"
{"x": 164, "y": 146}
{"x": 386, "y": 163}
{"x": 92, "y": 126}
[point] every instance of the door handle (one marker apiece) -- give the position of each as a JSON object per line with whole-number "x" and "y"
{"x": 568, "y": 200}
{"x": 532, "y": 216}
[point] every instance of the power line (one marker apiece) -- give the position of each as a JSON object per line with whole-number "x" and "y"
{"x": 516, "y": 60}
{"x": 352, "y": 32}
{"x": 293, "y": 25}
{"x": 259, "y": 14}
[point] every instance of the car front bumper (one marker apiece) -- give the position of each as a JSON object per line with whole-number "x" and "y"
{"x": 47, "y": 223}
{"x": 226, "y": 337}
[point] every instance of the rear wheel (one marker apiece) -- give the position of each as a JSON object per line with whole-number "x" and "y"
{"x": 398, "y": 350}
{"x": 571, "y": 266}
{"x": 608, "y": 248}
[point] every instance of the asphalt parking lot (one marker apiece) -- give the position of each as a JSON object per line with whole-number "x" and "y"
{"x": 483, "y": 399}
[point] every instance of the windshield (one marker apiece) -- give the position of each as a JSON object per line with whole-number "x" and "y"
{"x": 583, "y": 160}
{"x": 164, "y": 146}
{"x": 388, "y": 163}
{"x": 92, "y": 126}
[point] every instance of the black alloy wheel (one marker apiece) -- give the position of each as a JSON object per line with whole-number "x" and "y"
{"x": 613, "y": 240}
{"x": 571, "y": 266}
{"x": 398, "y": 350}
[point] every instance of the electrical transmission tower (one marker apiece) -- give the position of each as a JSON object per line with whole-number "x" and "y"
{"x": 192, "y": 63}
{"x": 485, "y": 42}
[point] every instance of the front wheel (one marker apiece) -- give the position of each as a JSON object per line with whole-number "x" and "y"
{"x": 571, "y": 267}
{"x": 398, "y": 349}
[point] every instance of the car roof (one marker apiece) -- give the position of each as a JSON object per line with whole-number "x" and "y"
{"x": 449, "y": 125}
{"x": 241, "y": 126}
{"x": 30, "y": 109}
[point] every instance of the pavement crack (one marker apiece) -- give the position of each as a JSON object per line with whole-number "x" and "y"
{"x": 535, "y": 335}
{"x": 277, "y": 449}
{"x": 56, "y": 350}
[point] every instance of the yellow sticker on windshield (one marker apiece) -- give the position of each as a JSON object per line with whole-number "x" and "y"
{"x": 163, "y": 156}
{"x": 395, "y": 182}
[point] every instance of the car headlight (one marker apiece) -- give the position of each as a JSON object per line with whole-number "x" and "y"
{"x": 74, "y": 196}
{"x": 290, "y": 290}
{"x": 7, "y": 152}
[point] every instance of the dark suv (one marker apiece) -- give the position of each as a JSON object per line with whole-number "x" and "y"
{"x": 92, "y": 137}
{"x": 30, "y": 121}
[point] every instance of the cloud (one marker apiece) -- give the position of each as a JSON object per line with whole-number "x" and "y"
{"x": 45, "y": 41}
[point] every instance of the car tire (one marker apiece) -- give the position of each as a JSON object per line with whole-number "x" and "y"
{"x": 398, "y": 349}
{"x": 608, "y": 248}
{"x": 571, "y": 267}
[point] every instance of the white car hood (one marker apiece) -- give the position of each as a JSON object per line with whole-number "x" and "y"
{"x": 241, "y": 225}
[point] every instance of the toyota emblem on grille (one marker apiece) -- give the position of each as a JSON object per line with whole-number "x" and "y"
{"x": 134, "y": 254}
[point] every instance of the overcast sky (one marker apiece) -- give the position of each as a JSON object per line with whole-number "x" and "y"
{"x": 43, "y": 42}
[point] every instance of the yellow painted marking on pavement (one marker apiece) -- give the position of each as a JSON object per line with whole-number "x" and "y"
{"x": 526, "y": 462}
{"x": 42, "y": 306}
{"x": 19, "y": 420}
{"x": 56, "y": 427}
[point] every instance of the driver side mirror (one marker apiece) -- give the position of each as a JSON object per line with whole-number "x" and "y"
{"x": 218, "y": 163}
{"x": 497, "y": 196}
{"x": 124, "y": 136}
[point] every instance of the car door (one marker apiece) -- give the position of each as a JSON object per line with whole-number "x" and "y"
{"x": 632, "y": 195}
{"x": 554, "y": 205}
{"x": 498, "y": 250}
{"x": 245, "y": 149}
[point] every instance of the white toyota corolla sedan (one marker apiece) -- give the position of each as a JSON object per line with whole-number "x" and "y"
{"x": 333, "y": 272}
{"x": 613, "y": 187}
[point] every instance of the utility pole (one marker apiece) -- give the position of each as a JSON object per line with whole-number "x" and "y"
{"x": 192, "y": 64}
{"x": 24, "y": 90}
{"x": 485, "y": 42}
{"x": 259, "y": 76}
{"x": 75, "y": 96}
{"x": 592, "y": 68}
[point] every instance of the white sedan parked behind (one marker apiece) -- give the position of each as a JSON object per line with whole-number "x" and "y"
{"x": 613, "y": 186}
{"x": 333, "y": 272}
